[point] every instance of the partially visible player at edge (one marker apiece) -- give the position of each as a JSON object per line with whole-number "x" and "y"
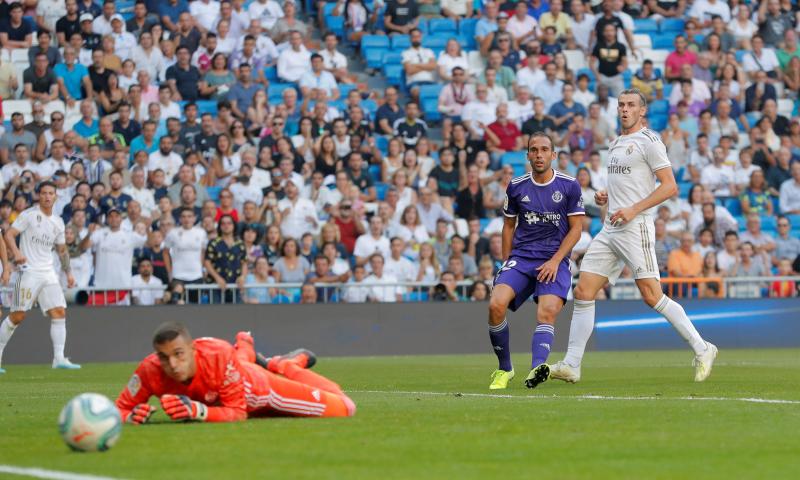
{"x": 543, "y": 215}
{"x": 210, "y": 380}
{"x": 636, "y": 159}
{"x": 36, "y": 278}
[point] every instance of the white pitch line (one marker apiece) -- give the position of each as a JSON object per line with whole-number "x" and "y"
{"x": 584, "y": 397}
{"x": 49, "y": 474}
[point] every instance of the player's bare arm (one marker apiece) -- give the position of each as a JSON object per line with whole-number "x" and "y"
{"x": 662, "y": 193}
{"x": 6, "y": 265}
{"x": 509, "y": 227}
{"x": 549, "y": 269}
{"x": 63, "y": 257}
{"x": 11, "y": 242}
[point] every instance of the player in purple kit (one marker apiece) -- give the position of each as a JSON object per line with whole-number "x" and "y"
{"x": 543, "y": 215}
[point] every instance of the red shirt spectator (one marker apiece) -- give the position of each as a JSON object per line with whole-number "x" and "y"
{"x": 680, "y": 57}
{"x": 503, "y": 134}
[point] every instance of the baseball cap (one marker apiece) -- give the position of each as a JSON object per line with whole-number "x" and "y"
{"x": 87, "y": 16}
{"x": 117, "y": 16}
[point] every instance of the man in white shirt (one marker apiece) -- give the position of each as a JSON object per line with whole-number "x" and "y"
{"x": 333, "y": 60}
{"x": 700, "y": 90}
{"x": 102, "y": 24}
{"x": 186, "y": 246}
{"x": 139, "y": 192}
{"x": 11, "y": 171}
{"x": 717, "y": 177}
{"x": 760, "y": 59}
{"x": 266, "y": 11}
{"x": 397, "y": 265}
{"x": 790, "y": 192}
{"x": 521, "y": 25}
{"x": 147, "y": 57}
{"x": 388, "y": 294}
{"x": 113, "y": 252}
{"x": 148, "y": 289}
{"x": 169, "y": 109}
{"x": 372, "y": 242}
{"x": 762, "y": 242}
{"x": 705, "y": 10}
{"x": 521, "y": 108}
{"x": 205, "y": 13}
{"x": 244, "y": 190}
{"x": 456, "y": 9}
{"x": 530, "y": 76}
{"x": 354, "y": 293}
{"x": 57, "y": 161}
{"x": 479, "y": 113}
{"x": 124, "y": 42}
{"x": 298, "y": 215}
{"x": 581, "y": 24}
{"x": 419, "y": 64}
{"x": 295, "y": 61}
{"x": 729, "y": 254}
{"x": 165, "y": 159}
{"x": 318, "y": 79}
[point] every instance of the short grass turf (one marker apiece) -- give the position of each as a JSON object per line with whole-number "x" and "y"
{"x": 544, "y": 433}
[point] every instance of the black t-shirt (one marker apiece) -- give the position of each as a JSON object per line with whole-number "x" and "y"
{"x": 470, "y": 149}
{"x": 410, "y": 134}
{"x": 68, "y": 27}
{"x": 40, "y": 84}
{"x": 385, "y": 112}
{"x": 16, "y": 33}
{"x": 601, "y": 23}
{"x": 446, "y": 182}
{"x": 773, "y": 27}
{"x": 470, "y": 205}
{"x": 190, "y": 40}
{"x": 533, "y": 125}
{"x": 610, "y": 57}
{"x": 363, "y": 181}
{"x": 402, "y": 13}
{"x": 92, "y": 41}
{"x": 188, "y": 134}
{"x": 205, "y": 144}
{"x": 99, "y": 79}
{"x": 185, "y": 81}
{"x": 130, "y": 132}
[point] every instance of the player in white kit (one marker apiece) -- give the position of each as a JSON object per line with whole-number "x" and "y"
{"x": 636, "y": 159}
{"x": 36, "y": 280}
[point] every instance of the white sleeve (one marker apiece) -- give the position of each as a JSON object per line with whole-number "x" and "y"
{"x": 656, "y": 155}
{"x": 359, "y": 248}
{"x": 95, "y": 238}
{"x": 21, "y": 222}
{"x": 138, "y": 240}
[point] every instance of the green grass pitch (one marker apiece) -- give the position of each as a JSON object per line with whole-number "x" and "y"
{"x": 651, "y": 428}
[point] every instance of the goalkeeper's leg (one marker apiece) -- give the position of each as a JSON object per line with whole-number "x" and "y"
{"x": 315, "y": 396}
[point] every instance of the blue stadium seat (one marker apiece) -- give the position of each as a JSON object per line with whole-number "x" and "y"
{"x": 672, "y": 25}
{"x": 423, "y": 25}
{"x": 346, "y": 88}
{"x": 400, "y": 42}
{"x": 213, "y": 193}
{"x": 206, "y": 106}
{"x": 275, "y": 91}
{"x": 394, "y": 75}
{"x": 335, "y": 24}
{"x": 442, "y": 25}
{"x": 416, "y": 297}
{"x": 374, "y": 41}
{"x": 752, "y": 118}
{"x": 430, "y": 108}
{"x": 484, "y": 222}
{"x": 684, "y": 187}
{"x": 667, "y": 89}
{"x": 380, "y": 190}
{"x": 382, "y": 143}
{"x": 435, "y": 42}
{"x": 645, "y": 25}
{"x": 430, "y": 91}
{"x": 662, "y": 41}
{"x": 768, "y": 223}
{"x": 271, "y": 73}
{"x": 327, "y": 10}
{"x": 466, "y": 27}
{"x": 794, "y": 220}
{"x": 374, "y": 56}
{"x": 369, "y": 106}
{"x": 627, "y": 76}
{"x": 519, "y": 170}
{"x": 375, "y": 172}
{"x": 734, "y": 206}
{"x": 514, "y": 158}
{"x": 596, "y": 226}
{"x": 657, "y": 122}
{"x": 658, "y": 107}
{"x": 467, "y": 43}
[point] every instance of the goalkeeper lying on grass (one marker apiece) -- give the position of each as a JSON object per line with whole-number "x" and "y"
{"x": 210, "y": 380}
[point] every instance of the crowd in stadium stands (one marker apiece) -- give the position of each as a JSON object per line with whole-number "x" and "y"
{"x": 237, "y": 142}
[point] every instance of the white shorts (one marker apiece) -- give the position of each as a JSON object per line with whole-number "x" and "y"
{"x": 36, "y": 286}
{"x": 633, "y": 246}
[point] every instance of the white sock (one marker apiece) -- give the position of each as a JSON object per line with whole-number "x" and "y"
{"x": 579, "y": 331}
{"x": 676, "y": 315}
{"x": 58, "y": 334}
{"x": 6, "y": 330}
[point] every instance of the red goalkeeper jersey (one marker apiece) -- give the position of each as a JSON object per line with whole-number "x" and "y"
{"x": 219, "y": 382}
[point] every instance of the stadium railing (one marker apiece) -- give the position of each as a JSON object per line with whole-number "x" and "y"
{"x": 290, "y": 293}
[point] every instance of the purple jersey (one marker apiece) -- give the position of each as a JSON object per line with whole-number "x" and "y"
{"x": 542, "y": 211}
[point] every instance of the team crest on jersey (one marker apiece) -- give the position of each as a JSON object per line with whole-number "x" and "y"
{"x": 211, "y": 397}
{"x": 134, "y": 384}
{"x": 38, "y": 218}
{"x": 231, "y": 374}
{"x": 629, "y": 150}
{"x": 557, "y": 196}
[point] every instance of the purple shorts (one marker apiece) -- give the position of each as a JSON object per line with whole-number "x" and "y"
{"x": 520, "y": 274}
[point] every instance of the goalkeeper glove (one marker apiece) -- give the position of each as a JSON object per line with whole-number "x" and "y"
{"x": 141, "y": 414}
{"x": 181, "y": 407}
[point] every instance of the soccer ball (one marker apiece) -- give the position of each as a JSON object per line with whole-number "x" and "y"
{"x": 90, "y": 422}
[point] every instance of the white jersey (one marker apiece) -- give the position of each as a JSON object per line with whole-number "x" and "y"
{"x": 185, "y": 249}
{"x": 114, "y": 256}
{"x": 632, "y": 162}
{"x": 38, "y": 234}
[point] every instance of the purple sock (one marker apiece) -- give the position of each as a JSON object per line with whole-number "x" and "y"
{"x": 499, "y": 336}
{"x": 540, "y": 343}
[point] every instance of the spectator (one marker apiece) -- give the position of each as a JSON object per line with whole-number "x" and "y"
{"x": 718, "y": 224}
{"x": 748, "y": 264}
{"x": 318, "y": 79}
{"x": 780, "y": 172}
{"x": 761, "y": 58}
{"x": 15, "y": 31}
{"x": 684, "y": 262}
{"x": 678, "y": 58}
{"x": 718, "y": 177}
{"x": 784, "y": 288}
{"x": 410, "y": 128}
{"x": 610, "y": 60}
{"x": 389, "y": 293}
{"x": 353, "y": 293}
{"x": 399, "y": 266}
{"x": 446, "y": 291}
{"x": 787, "y": 246}
{"x": 294, "y": 62}
{"x": 147, "y": 288}
{"x": 419, "y": 64}
{"x": 226, "y": 261}
{"x": 40, "y": 81}
{"x": 486, "y": 27}
{"x": 185, "y": 247}
{"x": 563, "y": 111}
{"x": 259, "y": 275}
{"x": 761, "y": 242}
{"x": 742, "y": 27}
{"x": 113, "y": 247}
{"x": 479, "y": 113}
{"x": 648, "y": 81}
{"x": 184, "y": 78}
{"x": 759, "y": 92}
{"x": 755, "y": 199}
{"x": 291, "y": 267}
{"x": 389, "y": 112}
{"x": 12, "y": 172}
{"x": 790, "y": 192}
{"x": 452, "y": 99}
{"x": 457, "y": 9}
{"x": 773, "y": 22}
{"x": 710, "y": 270}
